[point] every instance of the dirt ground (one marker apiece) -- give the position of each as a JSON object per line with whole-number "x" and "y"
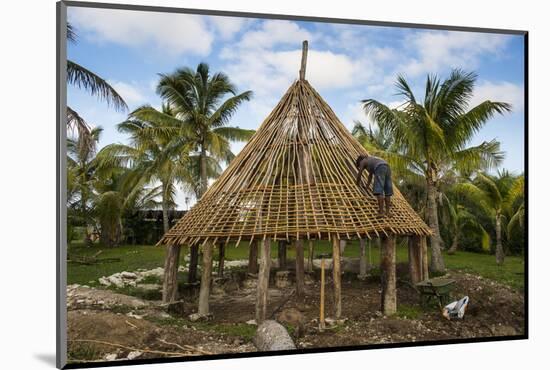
{"x": 136, "y": 328}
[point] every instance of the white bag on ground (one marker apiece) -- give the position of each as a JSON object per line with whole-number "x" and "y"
{"x": 456, "y": 309}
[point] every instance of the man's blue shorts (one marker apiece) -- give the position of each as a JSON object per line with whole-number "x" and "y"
{"x": 382, "y": 181}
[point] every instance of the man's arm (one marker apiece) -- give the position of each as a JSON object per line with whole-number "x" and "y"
{"x": 369, "y": 180}
{"x": 359, "y": 174}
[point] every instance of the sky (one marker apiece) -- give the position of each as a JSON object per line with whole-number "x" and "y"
{"x": 346, "y": 63}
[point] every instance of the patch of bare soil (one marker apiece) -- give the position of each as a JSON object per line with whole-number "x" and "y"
{"x": 143, "y": 329}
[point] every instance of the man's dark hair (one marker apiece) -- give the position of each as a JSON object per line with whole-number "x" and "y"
{"x": 359, "y": 159}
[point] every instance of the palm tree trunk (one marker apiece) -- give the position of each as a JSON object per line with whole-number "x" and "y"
{"x": 454, "y": 246}
{"x": 165, "y": 222}
{"x": 436, "y": 263}
{"x": 203, "y": 175}
{"x": 499, "y": 250}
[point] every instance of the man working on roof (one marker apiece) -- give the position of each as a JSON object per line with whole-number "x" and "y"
{"x": 382, "y": 188}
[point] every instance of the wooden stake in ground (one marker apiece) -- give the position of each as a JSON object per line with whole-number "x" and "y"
{"x": 336, "y": 276}
{"x": 310, "y": 257}
{"x": 206, "y": 279}
{"x": 193, "y": 262}
{"x": 253, "y": 258}
{"x": 171, "y": 264}
{"x": 362, "y": 259}
{"x": 221, "y": 259}
{"x": 322, "y": 297}
{"x": 389, "y": 294}
{"x": 300, "y": 270}
{"x": 263, "y": 281}
{"x": 415, "y": 259}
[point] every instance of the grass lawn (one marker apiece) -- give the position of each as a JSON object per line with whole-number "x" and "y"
{"x": 148, "y": 257}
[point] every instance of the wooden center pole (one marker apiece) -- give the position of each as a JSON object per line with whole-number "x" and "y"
{"x": 336, "y": 276}
{"x": 206, "y": 279}
{"x": 304, "y": 61}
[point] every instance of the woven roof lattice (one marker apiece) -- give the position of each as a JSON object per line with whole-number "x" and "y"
{"x": 294, "y": 179}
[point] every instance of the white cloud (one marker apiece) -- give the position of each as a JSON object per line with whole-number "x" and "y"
{"x": 131, "y": 93}
{"x": 227, "y": 27}
{"x": 173, "y": 34}
{"x": 437, "y": 50}
{"x": 501, "y": 91}
{"x": 273, "y": 33}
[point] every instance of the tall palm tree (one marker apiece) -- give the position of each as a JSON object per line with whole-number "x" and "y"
{"x": 204, "y": 103}
{"x": 83, "y": 78}
{"x": 434, "y": 134}
{"x": 81, "y": 176}
{"x": 491, "y": 194}
{"x": 157, "y": 153}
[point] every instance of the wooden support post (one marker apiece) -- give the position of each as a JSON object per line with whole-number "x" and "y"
{"x": 170, "y": 283}
{"x": 424, "y": 251}
{"x": 362, "y": 259}
{"x": 322, "y": 297}
{"x": 221, "y": 259}
{"x": 389, "y": 294}
{"x": 206, "y": 279}
{"x": 263, "y": 281}
{"x": 299, "y": 270}
{"x": 281, "y": 254}
{"x": 336, "y": 277}
{"x": 310, "y": 256}
{"x": 415, "y": 259}
{"x": 193, "y": 262}
{"x": 304, "y": 61}
{"x": 253, "y": 258}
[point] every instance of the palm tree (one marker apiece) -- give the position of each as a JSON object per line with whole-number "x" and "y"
{"x": 492, "y": 194}
{"x": 197, "y": 101}
{"x": 433, "y": 135}
{"x": 83, "y": 78}
{"x": 157, "y": 153}
{"x": 81, "y": 177}
{"x": 459, "y": 219}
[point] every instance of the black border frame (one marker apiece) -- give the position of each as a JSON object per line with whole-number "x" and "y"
{"x": 61, "y": 103}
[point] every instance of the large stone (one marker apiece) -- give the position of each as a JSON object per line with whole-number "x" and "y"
{"x": 272, "y": 336}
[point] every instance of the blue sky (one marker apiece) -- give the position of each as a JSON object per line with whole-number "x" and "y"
{"x": 346, "y": 63}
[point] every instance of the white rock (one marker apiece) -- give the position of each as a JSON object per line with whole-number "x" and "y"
{"x": 133, "y": 354}
{"x": 128, "y": 275}
{"x": 110, "y": 357}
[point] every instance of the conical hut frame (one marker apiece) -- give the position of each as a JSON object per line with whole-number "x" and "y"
{"x": 295, "y": 180}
